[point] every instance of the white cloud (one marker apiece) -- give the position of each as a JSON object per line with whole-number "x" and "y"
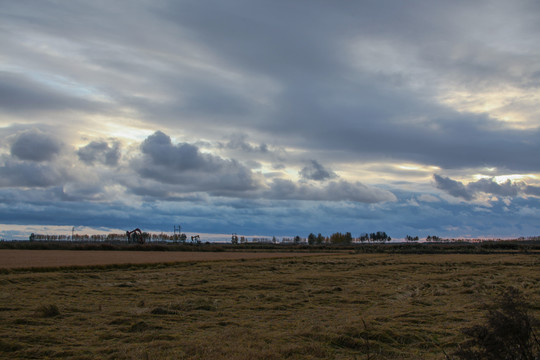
{"x": 428, "y": 198}
{"x": 527, "y": 211}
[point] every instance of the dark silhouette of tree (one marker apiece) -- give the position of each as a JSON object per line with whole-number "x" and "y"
{"x": 183, "y": 238}
{"x": 507, "y": 335}
{"x": 364, "y": 237}
{"x": 339, "y": 238}
{"x": 379, "y": 236}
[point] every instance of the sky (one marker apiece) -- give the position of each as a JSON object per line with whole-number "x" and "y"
{"x": 270, "y": 118}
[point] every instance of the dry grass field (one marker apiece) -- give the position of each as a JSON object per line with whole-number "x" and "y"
{"x": 343, "y": 306}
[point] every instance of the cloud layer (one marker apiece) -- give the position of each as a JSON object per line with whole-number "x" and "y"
{"x": 421, "y": 113}
{"x": 486, "y": 186}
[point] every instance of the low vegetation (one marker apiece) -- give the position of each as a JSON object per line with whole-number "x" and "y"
{"x": 508, "y": 332}
{"x": 312, "y": 245}
{"x": 342, "y": 306}
{"x": 47, "y": 311}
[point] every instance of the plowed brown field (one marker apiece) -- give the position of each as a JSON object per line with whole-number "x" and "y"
{"x": 53, "y": 258}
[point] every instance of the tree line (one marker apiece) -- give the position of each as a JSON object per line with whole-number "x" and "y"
{"x": 347, "y": 238}
{"x": 107, "y": 237}
{"x": 312, "y": 239}
{"x": 337, "y": 238}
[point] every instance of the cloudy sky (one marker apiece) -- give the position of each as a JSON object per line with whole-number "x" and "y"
{"x": 271, "y": 117}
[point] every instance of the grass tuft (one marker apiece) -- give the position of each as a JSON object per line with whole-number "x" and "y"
{"x": 162, "y": 311}
{"x": 139, "y": 327}
{"x": 10, "y": 347}
{"x": 47, "y": 311}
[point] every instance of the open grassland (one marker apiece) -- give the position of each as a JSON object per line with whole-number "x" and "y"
{"x": 342, "y": 306}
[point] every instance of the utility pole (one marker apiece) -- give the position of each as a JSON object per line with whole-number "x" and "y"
{"x": 179, "y": 229}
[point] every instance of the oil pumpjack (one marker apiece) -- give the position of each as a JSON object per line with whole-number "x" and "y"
{"x": 135, "y": 236}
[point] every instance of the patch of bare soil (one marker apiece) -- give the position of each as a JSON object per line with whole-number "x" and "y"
{"x": 54, "y": 258}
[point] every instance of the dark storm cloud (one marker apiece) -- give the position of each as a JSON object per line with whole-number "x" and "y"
{"x": 182, "y": 168}
{"x": 325, "y": 103}
{"x": 185, "y": 157}
{"x": 409, "y": 130}
{"x": 239, "y": 142}
{"x": 184, "y": 165}
{"x": 342, "y": 82}
{"x": 218, "y": 61}
{"x": 487, "y": 186}
{"x": 315, "y": 171}
{"x": 19, "y": 94}
{"x": 333, "y": 191}
{"x": 160, "y": 150}
{"x": 452, "y": 187}
{"x": 35, "y": 145}
{"x": 532, "y": 190}
{"x": 289, "y": 45}
{"x": 280, "y": 218}
{"x": 101, "y": 152}
{"x": 19, "y": 174}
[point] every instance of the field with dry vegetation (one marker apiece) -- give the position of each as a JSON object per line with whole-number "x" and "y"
{"x": 342, "y": 306}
